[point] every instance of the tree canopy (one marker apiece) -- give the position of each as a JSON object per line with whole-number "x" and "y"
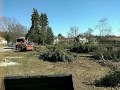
{"x": 40, "y": 32}
{"x": 12, "y": 29}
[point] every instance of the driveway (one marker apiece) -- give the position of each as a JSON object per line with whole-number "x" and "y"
{"x": 4, "y": 49}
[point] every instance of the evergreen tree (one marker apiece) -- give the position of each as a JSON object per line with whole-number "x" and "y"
{"x": 60, "y": 36}
{"x": 33, "y": 34}
{"x": 40, "y": 32}
{"x": 49, "y": 36}
{"x": 44, "y": 25}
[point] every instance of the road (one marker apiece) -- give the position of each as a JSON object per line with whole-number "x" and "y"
{"x": 4, "y": 49}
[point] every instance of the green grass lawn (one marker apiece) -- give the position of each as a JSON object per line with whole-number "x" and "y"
{"x": 83, "y": 70}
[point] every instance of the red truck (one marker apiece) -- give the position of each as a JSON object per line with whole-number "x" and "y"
{"x": 23, "y": 45}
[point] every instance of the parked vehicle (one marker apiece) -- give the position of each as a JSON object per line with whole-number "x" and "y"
{"x": 23, "y": 45}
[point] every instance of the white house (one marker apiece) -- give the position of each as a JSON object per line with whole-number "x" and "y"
{"x": 83, "y": 39}
{"x": 56, "y": 40}
{"x": 3, "y": 41}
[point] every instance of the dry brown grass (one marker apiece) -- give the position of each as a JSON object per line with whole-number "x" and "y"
{"x": 84, "y": 71}
{"x": 114, "y": 38}
{"x": 1, "y": 45}
{"x": 1, "y": 70}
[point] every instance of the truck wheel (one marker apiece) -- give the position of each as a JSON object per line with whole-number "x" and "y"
{"x": 16, "y": 47}
{"x": 20, "y": 49}
{"x": 23, "y": 48}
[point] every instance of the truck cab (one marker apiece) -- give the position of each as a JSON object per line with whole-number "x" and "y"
{"x": 23, "y": 45}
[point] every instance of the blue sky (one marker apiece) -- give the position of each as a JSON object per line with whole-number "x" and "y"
{"x": 62, "y": 14}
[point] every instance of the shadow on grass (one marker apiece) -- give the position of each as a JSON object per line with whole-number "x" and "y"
{"x": 110, "y": 80}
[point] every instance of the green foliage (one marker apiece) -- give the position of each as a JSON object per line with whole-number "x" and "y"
{"x": 49, "y": 36}
{"x": 83, "y": 48}
{"x": 60, "y": 36}
{"x": 43, "y": 20}
{"x": 108, "y": 52}
{"x": 43, "y": 23}
{"x": 33, "y": 33}
{"x": 110, "y": 80}
{"x": 56, "y": 53}
{"x": 40, "y": 32}
{"x": 62, "y": 45}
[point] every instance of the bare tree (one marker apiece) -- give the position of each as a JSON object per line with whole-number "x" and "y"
{"x": 69, "y": 35}
{"x": 12, "y": 29}
{"x": 103, "y": 27}
{"x": 88, "y": 33}
{"x": 73, "y": 32}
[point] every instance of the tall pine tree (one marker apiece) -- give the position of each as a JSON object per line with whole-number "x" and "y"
{"x": 40, "y": 32}
{"x": 33, "y": 33}
{"x": 49, "y": 36}
{"x": 44, "y": 25}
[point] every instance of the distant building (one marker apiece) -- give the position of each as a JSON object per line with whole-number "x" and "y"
{"x": 82, "y": 39}
{"x": 3, "y": 41}
{"x": 56, "y": 40}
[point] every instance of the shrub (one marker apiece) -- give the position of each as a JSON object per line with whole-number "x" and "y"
{"x": 64, "y": 45}
{"x": 108, "y": 53}
{"x": 83, "y": 48}
{"x": 111, "y": 80}
{"x": 55, "y": 54}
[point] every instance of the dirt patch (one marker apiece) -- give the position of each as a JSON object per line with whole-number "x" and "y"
{"x": 2, "y": 49}
{"x": 6, "y": 62}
